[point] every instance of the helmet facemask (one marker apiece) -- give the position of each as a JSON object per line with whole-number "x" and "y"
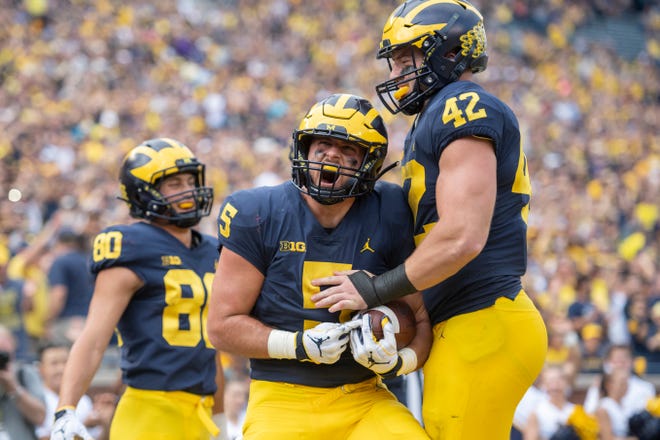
{"x": 348, "y": 118}
{"x": 424, "y": 84}
{"x": 447, "y": 51}
{"x": 357, "y": 184}
{"x": 200, "y": 198}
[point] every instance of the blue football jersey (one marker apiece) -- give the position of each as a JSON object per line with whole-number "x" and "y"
{"x": 165, "y": 345}
{"x": 273, "y": 228}
{"x": 458, "y": 110}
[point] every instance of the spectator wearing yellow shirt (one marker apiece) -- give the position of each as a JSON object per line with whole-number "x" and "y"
{"x": 29, "y": 267}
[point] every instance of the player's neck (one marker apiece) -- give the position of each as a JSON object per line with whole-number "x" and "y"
{"x": 329, "y": 216}
{"x": 467, "y": 76}
{"x": 184, "y": 235}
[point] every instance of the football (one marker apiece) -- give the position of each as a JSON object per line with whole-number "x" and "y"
{"x": 406, "y": 317}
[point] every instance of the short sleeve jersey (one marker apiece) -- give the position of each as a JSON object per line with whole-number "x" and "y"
{"x": 163, "y": 336}
{"x": 274, "y": 230}
{"x": 463, "y": 109}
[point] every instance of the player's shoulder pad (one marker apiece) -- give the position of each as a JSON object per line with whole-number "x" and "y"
{"x": 389, "y": 190}
{"x": 448, "y": 113}
{"x": 466, "y": 93}
{"x": 137, "y": 229}
{"x": 123, "y": 244}
{"x": 251, "y": 207}
{"x": 392, "y": 199}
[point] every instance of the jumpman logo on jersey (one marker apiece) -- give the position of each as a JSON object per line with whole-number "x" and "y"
{"x": 319, "y": 341}
{"x": 367, "y": 247}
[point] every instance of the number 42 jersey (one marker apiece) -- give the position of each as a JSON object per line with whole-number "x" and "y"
{"x": 463, "y": 109}
{"x": 163, "y": 332}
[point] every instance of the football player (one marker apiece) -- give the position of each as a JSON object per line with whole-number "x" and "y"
{"x": 466, "y": 180}
{"x": 332, "y": 215}
{"x": 153, "y": 282}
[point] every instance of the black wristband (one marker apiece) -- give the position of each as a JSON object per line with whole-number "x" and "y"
{"x": 393, "y": 372}
{"x": 60, "y": 413}
{"x": 301, "y": 354}
{"x": 383, "y": 288}
{"x": 364, "y": 284}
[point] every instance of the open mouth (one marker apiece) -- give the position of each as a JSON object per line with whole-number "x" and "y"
{"x": 329, "y": 174}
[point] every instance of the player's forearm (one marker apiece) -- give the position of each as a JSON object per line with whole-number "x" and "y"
{"x": 241, "y": 335}
{"x": 421, "y": 343}
{"x": 422, "y": 270}
{"x": 84, "y": 360}
{"x": 440, "y": 256}
{"x": 437, "y": 258}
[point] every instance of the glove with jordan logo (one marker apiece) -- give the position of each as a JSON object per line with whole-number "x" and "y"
{"x": 380, "y": 355}
{"x": 322, "y": 344}
{"x": 68, "y": 427}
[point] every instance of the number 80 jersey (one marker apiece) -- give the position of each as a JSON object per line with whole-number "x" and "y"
{"x": 165, "y": 345}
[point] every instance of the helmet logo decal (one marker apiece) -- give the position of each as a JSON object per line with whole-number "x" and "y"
{"x": 474, "y": 38}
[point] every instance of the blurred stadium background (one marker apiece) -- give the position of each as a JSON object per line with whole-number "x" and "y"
{"x": 81, "y": 82}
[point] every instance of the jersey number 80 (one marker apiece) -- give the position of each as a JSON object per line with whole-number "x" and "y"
{"x": 193, "y": 305}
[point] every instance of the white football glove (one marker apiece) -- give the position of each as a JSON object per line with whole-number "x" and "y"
{"x": 324, "y": 343}
{"x": 380, "y": 356}
{"x": 220, "y": 421}
{"x": 68, "y": 427}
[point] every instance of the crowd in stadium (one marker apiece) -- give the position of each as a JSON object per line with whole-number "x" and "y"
{"x": 83, "y": 82}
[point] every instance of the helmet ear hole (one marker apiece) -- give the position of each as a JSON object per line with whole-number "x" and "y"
{"x": 451, "y": 54}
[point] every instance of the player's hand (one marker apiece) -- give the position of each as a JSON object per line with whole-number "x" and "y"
{"x": 380, "y": 356}
{"x": 324, "y": 343}
{"x": 338, "y": 293}
{"x": 220, "y": 421}
{"x": 68, "y": 427}
{"x": 360, "y": 289}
